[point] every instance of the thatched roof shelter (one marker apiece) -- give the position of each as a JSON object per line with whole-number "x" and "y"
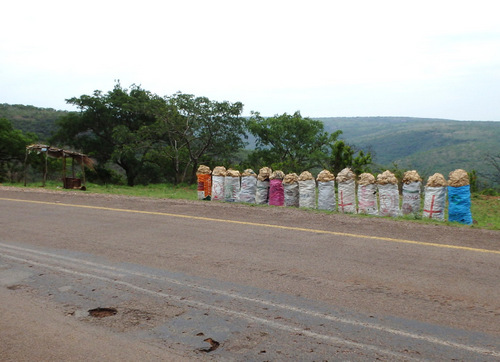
{"x": 60, "y": 153}
{"x": 55, "y": 152}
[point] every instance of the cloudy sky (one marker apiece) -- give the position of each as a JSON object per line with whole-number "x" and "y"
{"x": 324, "y": 58}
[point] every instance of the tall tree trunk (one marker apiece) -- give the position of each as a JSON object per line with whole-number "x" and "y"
{"x": 193, "y": 173}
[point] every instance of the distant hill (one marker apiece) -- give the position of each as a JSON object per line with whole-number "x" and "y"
{"x": 40, "y": 121}
{"x": 427, "y": 145}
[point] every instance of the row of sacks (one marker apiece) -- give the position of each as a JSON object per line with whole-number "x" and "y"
{"x": 364, "y": 194}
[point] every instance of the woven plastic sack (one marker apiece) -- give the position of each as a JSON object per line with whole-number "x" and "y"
{"x": 434, "y": 202}
{"x": 291, "y": 194}
{"x": 262, "y": 193}
{"x": 204, "y": 186}
{"x": 248, "y": 189}
{"x": 218, "y": 188}
{"x": 276, "y": 193}
{"x": 326, "y": 195}
{"x": 231, "y": 188}
{"x": 307, "y": 194}
{"x": 411, "y": 198}
{"x": 367, "y": 199}
{"x": 347, "y": 196}
{"x": 389, "y": 200}
{"x": 459, "y": 204}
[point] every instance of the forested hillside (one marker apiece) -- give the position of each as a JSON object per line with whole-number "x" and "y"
{"x": 40, "y": 121}
{"x": 428, "y": 145}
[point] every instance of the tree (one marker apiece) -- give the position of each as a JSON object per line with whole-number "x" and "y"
{"x": 343, "y": 155}
{"x": 13, "y": 144}
{"x": 206, "y": 130}
{"x": 142, "y": 132}
{"x": 116, "y": 126}
{"x": 494, "y": 163}
{"x": 290, "y": 143}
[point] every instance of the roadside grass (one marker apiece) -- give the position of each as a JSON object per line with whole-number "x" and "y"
{"x": 485, "y": 209}
{"x": 166, "y": 191}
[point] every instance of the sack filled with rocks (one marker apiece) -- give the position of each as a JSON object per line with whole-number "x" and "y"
{"x": 435, "y": 197}
{"x": 262, "y": 193}
{"x": 231, "y": 185}
{"x": 218, "y": 176}
{"x": 276, "y": 190}
{"x": 326, "y": 191}
{"x": 367, "y": 194}
{"x": 307, "y": 190}
{"x": 346, "y": 184}
{"x": 204, "y": 178}
{"x": 248, "y": 186}
{"x": 388, "y": 194}
{"x": 412, "y": 185}
{"x": 459, "y": 197}
{"x": 291, "y": 189}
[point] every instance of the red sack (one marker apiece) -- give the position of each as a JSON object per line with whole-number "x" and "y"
{"x": 276, "y": 193}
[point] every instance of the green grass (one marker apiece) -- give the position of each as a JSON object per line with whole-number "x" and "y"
{"x": 485, "y": 209}
{"x": 166, "y": 191}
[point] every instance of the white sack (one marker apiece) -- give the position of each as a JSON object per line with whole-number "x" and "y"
{"x": 411, "y": 198}
{"x": 218, "y": 188}
{"x": 248, "y": 189}
{"x": 326, "y": 195}
{"x": 434, "y": 202}
{"x": 347, "y": 196}
{"x": 389, "y": 200}
{"x": 367, "y": 199}
{"x": 262, "y": 194}
{"x": 231, "y": 188}
{"x": 291, "y": 194}
{"x": 307, "y": 194}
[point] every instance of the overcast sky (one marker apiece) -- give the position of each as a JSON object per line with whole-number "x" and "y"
{"x": 437, "y": 59}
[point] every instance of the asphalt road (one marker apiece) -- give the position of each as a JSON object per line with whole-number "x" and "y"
{"x": 208, "y": 280}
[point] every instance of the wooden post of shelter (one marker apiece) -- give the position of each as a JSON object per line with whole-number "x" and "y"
{"x": 25, "y": 165}
{"x": 64, "y": 168}
{"x": 83, "y": 172}
{"x": 45, "y": 170}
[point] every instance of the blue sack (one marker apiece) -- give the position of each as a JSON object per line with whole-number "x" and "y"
{"x": 459, "y": 204}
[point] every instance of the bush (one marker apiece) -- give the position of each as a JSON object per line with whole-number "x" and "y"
{"x": 490, "y": 192}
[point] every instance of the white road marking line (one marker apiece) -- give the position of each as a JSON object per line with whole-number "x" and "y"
{"x": 287, "y": 307}
{"x": 248, "y": 317}
{"x": 64, "y": 259}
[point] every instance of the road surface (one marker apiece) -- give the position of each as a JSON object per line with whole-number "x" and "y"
{"x": 185, "y": 280}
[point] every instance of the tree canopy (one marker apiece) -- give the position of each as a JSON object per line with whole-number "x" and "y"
{"x": 112, "y": 127}
{"x": 293, "y": 143}
{"x": 13, "y": 144}
{"x": 149, "y": 136}
{"x": 206, "y": 130}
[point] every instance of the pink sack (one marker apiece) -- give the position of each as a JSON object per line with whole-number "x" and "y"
{"x": 276, "y": 193}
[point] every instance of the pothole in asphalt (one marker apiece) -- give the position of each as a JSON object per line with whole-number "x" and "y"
{"x": 102, "y": 312}
{"x": 213, "y": 345}
{"x": 15, "y": 287}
